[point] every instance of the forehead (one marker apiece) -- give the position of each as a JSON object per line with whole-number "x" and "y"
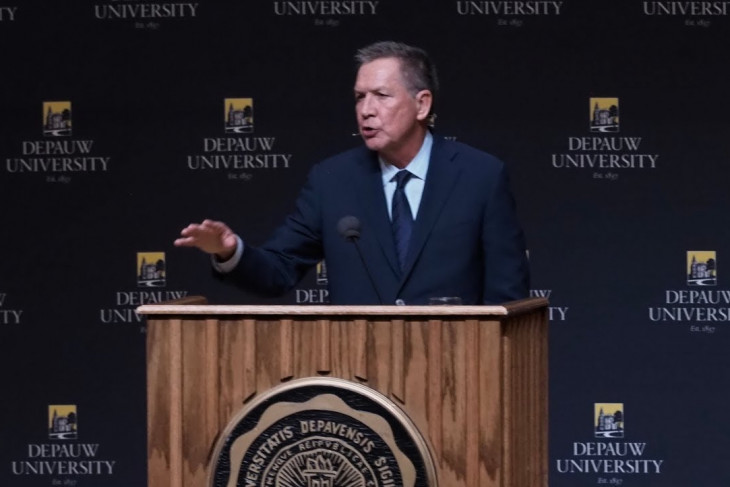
{"x": 379, "y": 73}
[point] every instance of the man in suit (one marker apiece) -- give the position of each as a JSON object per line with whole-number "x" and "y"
{"x": 432, "y": 217}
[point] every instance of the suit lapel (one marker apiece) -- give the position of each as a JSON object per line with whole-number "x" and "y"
{"x": 375, "y": 211}
{"x": 440, "y": 182}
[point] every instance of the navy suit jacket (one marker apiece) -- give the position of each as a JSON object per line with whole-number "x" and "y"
{"x": 466, "y": 240}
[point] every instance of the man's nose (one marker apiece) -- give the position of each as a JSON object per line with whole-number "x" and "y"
{"x": 367, "y": 107}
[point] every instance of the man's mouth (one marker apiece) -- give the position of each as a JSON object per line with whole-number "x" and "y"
{"x": 368, "y": 131}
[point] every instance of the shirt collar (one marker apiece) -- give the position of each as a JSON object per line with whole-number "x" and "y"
{"x": 418, "y": 166}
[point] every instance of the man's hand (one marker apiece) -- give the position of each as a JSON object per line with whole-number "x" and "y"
{"x": 211, "y": 237}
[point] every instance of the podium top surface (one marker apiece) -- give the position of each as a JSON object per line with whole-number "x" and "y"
{"x": 506, "y": 309}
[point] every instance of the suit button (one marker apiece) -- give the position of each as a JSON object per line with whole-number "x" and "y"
{"x": 400, "y": 302}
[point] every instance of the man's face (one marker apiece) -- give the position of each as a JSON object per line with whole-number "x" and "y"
{"x": 388, "y": 116}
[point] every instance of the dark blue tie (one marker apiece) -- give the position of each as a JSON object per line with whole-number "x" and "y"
{"x": 402, "y": 218}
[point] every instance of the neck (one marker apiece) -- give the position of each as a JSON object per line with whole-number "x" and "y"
{"x": 404, "y": 154}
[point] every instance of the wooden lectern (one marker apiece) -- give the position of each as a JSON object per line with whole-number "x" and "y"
{"x": 473, "y": 379}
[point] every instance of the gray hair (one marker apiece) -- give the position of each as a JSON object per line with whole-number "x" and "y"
{"x": 419, "y": 73}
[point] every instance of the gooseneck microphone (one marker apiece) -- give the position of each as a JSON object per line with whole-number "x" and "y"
{"x": 349, "y": 228}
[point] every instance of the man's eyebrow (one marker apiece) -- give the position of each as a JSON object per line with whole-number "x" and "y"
{"x": 372, "y": 89}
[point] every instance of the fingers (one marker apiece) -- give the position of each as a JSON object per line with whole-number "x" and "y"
{"x": 210, "y": 236}
{"x": 187, "y": 231}
{"x": 215, "y": 226}
{"x": 184, "y": 242}
{"x": 206, "y": 226}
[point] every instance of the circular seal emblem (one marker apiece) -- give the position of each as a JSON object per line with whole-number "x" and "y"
{"x": 322, "y": 432}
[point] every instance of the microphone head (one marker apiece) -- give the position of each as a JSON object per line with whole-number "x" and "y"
{"x": 349, "y": 227}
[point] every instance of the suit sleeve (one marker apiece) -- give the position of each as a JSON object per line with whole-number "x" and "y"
{"x": 506, "y": 273}
{"x": 278, "y": 265}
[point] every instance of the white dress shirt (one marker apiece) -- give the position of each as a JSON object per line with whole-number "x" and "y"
{"x": 414, "y": 189}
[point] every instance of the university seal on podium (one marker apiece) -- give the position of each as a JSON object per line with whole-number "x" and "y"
{"x": 322, "y": 432}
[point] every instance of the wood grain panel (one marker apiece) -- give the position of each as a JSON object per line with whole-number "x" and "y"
{"x": 434, "y": 405}
{"x": 323, "y": 346}
{"x": 453, "y": 402}
{"x": 416, "y": 369}
{"x": 159, "y": 403}
{"x": 492, "y": 417}
{"x": 398, "y": 360}
{"x": 470, "y": 454}
{"x": 360, "y": 349}
{"x": 199, "y": 398}
{"x": 286, "y": 350}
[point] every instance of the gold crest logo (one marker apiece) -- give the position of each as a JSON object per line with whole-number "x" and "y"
{"x": 701, "y": 268}
{"x": 238, "y": 115}
{"x": 62, "y": 422}
{"x": 604, "y": 115}
{"x": 151, "y": 269}
{"x": 57, "y": 118}
{"x": 322, "y": 273}
{"x": 609, "y": 419}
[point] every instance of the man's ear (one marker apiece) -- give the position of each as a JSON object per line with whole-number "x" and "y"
{"x": 424, "y": 99}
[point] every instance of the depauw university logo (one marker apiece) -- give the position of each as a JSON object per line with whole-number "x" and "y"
{"x": 57, "y": 118}
{"x": 322, "y": 273}
{"x": 238, "y": 114}
{"x": 609, "y": 419}
{"x": 701, "y": 268}
{"x": 62, "y": 422}
{"x": 603, "y": 114}
{"x": 151, "y": 270}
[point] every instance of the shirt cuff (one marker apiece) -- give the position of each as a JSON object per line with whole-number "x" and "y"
{"x": 228, "y": 265}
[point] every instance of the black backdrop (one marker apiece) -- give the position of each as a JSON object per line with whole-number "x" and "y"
{"x": 145, "y": 84}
